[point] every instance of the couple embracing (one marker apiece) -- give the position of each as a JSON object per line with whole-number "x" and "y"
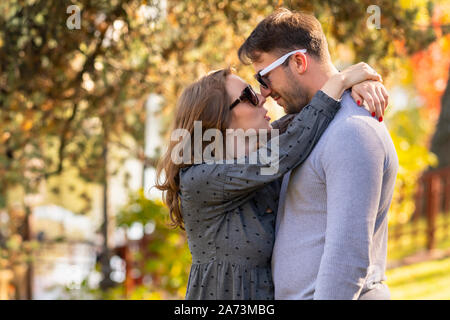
{"x": 317, "y": 227}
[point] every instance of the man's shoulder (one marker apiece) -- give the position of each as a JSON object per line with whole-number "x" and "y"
{"x": 353, "y": 121}
{"x": 355, "y": 124}
{"x": 355, "y": 131}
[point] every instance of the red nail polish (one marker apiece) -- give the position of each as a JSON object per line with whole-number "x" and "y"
{"x": 373, "y": 114}
{"x": 358, "y": 102}
{"x": 380, "y": 119}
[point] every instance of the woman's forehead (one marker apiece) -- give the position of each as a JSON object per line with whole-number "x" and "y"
{"x": 236, "y": 81}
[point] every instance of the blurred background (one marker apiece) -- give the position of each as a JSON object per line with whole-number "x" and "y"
{"x": 87, "y": 95}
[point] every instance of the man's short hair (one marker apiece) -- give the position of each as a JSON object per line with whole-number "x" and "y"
{"x": 284, "y": 31}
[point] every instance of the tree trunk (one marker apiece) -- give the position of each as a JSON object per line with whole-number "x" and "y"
{"x": 440, "y": 145}
{"x": 105, "y": 256}
{"x": 29, "y": 273}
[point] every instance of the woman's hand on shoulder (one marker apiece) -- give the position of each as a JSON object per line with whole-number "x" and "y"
{"x": 374, "y": 95}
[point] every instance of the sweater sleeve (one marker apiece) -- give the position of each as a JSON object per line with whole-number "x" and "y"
{"x": 353, "y": 165}
{"x": 215, "y": 183}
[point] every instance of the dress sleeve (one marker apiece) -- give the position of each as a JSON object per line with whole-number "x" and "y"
{"x": 283, "y": 123}
{"x": 217, "y": 183}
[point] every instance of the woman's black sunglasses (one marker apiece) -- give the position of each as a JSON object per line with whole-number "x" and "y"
{"x": 247, "y": 94}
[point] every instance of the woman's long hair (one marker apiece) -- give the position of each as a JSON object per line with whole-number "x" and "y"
{"x": 205, "y": 100}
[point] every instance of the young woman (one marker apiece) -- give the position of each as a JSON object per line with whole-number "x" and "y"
{"x": 228, "y": 210}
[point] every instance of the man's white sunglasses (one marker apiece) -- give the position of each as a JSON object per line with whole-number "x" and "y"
{"x": 273, "y": 65}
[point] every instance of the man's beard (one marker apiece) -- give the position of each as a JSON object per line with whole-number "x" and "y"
{"x": 297, "y": 100}
{"x": 296, "y": 97}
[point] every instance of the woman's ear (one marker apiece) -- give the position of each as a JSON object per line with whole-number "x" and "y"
{"x": 300, "y": 62}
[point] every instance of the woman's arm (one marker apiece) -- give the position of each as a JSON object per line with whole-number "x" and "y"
{"x": 215, "y": 183}
{"x": 347, "y": 78}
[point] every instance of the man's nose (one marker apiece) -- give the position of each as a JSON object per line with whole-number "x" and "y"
{"x": 265, "y": 92}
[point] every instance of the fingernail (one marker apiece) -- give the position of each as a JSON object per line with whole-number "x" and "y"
{"x": 373, "y": 114}
{"x": 358, "y": 102}
{"x": 380, "y": 119}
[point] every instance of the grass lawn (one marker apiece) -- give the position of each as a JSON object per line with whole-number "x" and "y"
{"x": 421, "y": 281}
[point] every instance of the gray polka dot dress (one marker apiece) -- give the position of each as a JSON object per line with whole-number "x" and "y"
{"x": 229, "y": 212}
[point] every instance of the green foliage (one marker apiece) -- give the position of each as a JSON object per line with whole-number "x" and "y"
{"x": 142, "y": 210}
{"x": 15, "y": 251}
{"x": 166, "y": 258}
{"x": 409, "y": 131}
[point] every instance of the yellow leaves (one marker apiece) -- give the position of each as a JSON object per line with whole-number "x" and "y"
{"x": 404, "y": 145}
{"x": 16, "y": 101}
{"x": 158, "y": 202}
{"x": 27, "y": 125}
{"x": 26, "y": 120}
{"x": 176, "y": 269}
{"x": 47, "y": 105}
{"x": 87, "y": 83}
{"x": 155, "y": 296}
{"x": 39, "y": 18}
{"x": 102, "y": 26}
{"x": 172, "y": 19}
{"x": 442, "y": 12}
{"x": 410, "y": 4}
{"x": 14, "y": 242}
{"x": 43, "y": 83}
{"x": 78, "y": 60}
{"x": 410, "y": 133}
{"x": 174, "y": 238}
{"x": 5, "y": 136}
{"x": 68, "y": 93}
{"x": 181, "y": 291}
{"x": 83, "y": 47}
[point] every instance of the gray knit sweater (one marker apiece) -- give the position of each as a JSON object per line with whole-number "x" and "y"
{"x": 331, "y": 229}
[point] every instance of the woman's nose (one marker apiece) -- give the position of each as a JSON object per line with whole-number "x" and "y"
{"x": 261, "y": 99}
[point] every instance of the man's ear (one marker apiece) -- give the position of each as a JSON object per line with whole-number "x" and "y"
{"x": 300, "y": 62}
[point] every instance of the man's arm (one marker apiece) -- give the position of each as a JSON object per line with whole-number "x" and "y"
{"x": 353, "y": 163}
